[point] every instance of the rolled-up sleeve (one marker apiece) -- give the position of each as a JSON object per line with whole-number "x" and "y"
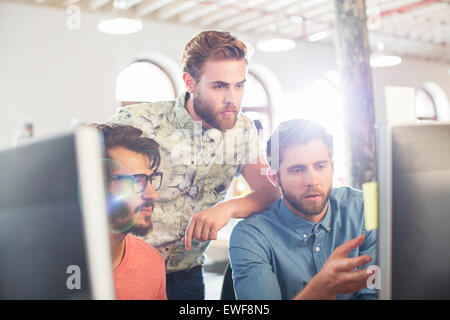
{"x": 253, "y": 274}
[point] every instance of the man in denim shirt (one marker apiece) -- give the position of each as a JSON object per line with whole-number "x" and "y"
{"x": 311, "y": 243}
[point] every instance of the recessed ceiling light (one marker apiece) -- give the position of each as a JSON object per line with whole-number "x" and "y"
{"x": 320, "y": 35}
{"x": 276, "y": 45}
{"x": 120, "y": 25}
{"x": 382, "y": 61}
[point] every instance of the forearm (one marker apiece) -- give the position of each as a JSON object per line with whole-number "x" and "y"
{"x": 314, "y": 291}
{"x": 254, "y": 202}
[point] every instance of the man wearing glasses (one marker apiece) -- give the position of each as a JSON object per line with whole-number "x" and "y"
{"x": 132, "y": 163}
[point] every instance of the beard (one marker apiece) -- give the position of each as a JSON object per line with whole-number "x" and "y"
{"x": 307, "y": 208}
{"x": 143, "y": 229}
{"x": 215, "y": 119}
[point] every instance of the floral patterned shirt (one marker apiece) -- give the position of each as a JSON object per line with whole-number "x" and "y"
{"x": 198, "y": 166}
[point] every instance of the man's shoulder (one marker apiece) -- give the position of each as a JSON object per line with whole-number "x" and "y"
{"x": 348, "y": 201}
{"x": 346, "y": 194}
{"x": 153, "y": 118}
{"x": 148, "y": 108}
{"x": 259, "y": 222}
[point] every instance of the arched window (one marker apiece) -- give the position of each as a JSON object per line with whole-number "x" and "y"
{"x": 144, "y": 80}
{"x": 432, "y": 103}
{"x": 256, "y": 103}
{"x": 425, "y": 106}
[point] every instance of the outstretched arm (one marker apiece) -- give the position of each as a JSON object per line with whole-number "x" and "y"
{"x": 204, "y": 225}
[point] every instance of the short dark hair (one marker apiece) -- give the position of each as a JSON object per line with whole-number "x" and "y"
{"x": 216, "y": 45}
{"x": 296, "y": 132}
{"x": 131, "y": 138}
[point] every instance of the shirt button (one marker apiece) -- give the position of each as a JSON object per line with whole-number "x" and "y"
{"x": 317, "y": 249}
{"x": 305, "y": 236}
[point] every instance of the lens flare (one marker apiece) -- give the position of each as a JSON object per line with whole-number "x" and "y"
{"x": 121, "y": 217}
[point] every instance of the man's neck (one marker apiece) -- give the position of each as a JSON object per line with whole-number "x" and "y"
{"x": 117, "y": 241}
{"x": 189, "y": 105}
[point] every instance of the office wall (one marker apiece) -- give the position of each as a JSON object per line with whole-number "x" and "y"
{"x": 410, "y": 73}
{"x": 52, "y": 75}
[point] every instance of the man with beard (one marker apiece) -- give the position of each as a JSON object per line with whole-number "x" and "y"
{"x": 205, "y": 141}
{"x": 132, "y": 163}
{"x": 311, "y": 243}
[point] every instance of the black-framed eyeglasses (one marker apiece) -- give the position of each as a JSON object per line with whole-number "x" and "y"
{"x": 139, "y": 181}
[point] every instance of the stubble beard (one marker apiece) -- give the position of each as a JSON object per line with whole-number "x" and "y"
{"x": 307, "y": 209}
{"x": 216, "y": 120}
{"x": 142, "y": 230}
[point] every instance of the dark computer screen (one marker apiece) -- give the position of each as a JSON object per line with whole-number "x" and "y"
{"x": 421, "y": 211}
{"x": 41, "y": 227}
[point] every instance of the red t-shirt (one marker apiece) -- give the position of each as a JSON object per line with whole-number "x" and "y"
{"x": 141, "y": 275}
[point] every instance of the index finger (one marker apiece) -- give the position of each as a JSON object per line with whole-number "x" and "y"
{"x": 189, "y": 232}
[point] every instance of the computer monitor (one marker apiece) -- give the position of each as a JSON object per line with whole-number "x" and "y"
{"x": 414, "y": 211}
{"x": 54, "y": 240}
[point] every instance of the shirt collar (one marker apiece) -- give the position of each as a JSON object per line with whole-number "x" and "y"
{"x": 301, "y": 225}
{"x": 326, "y": 220}
{"x": 182, "y": 116}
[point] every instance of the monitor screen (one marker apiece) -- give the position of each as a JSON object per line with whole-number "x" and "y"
{"x": 414, "y": 226}
{"x": 44, "y": 241}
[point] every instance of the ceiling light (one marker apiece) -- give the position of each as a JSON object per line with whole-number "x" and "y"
{"x": 276, "y": 45}
{"x": 120, "y": 25}
{"x": 383, "y": 60}
{"x": 321, "y": 35}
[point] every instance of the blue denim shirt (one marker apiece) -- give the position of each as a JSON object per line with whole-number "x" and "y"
{"x": 275, "y": 253}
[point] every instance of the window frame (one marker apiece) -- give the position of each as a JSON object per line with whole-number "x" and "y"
{"x": 430, "y": 96}
{"x": 160, "y": 67}
{"x": 262, "y": 109}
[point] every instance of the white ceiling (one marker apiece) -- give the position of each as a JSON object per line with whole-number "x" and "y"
{"x": 410, "y": 28}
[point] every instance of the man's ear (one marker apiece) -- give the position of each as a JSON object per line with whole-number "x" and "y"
{"x": 273, "y": 177}
{"x": 189, "y": 82}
